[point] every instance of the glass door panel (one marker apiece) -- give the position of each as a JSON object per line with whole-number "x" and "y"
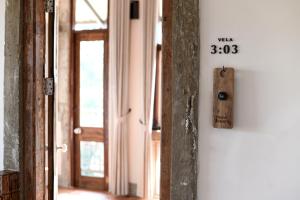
{"x": 92, "y": 159}
{"x": 91, "y": 83}
{"x": 89, "y": 110}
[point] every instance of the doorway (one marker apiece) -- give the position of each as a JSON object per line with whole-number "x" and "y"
{"x": 81, "y": 94}
{"x": 90, "y": 147}
{"x": 33, "y": 105}
{"x": 81, "y": 101}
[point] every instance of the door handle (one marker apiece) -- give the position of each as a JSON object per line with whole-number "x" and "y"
{"x": 63, "y": 148}
{"x": 77, "y": 131}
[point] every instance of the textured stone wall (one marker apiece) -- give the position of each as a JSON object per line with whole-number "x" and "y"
{"x": 2, "y": 42}
{"x": 63, "y": 113}
{"x": 185, "y": 88}
{"x": 12, "y": 86}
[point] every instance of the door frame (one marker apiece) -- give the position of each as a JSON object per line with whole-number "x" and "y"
{"x": 89, "y": 35}
{"x": 175, "y": 14}
{"x": 33, "y": 100}
{"x": 73, "y": 75}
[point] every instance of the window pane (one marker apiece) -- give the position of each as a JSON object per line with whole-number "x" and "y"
{"x": 92, "y": 159}
{"x": 91, "y": 83}
{"x": 91, "y": 14}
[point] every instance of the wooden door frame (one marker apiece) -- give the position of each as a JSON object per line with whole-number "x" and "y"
{"x": 50, "y": 107}
{"x": 33, "y": 100}
{"x": 72, "y": 91}
{"x": 176, "y": 13}
{"x": 89, "y": 35}
{"x": 166, "y": 130}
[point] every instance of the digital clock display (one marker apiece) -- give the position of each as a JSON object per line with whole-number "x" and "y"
{"x": 225, "y": 49}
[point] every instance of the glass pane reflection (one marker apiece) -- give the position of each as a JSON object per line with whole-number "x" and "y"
{"x": 92, "y": 159}
{"x": 91, "y": 83}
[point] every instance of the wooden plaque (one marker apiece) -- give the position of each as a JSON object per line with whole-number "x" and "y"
{"x": 223, "y": 98}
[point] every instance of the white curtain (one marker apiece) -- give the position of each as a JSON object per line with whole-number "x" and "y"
{"x": 149, "y": 74}
{"x": 119, "y": 36}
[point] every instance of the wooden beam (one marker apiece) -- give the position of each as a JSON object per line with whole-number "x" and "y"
{"x": 166, "y": 138}
{"x": 33, "y": 100}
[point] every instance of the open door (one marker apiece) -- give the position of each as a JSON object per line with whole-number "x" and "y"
{"x": 91, "y": 152}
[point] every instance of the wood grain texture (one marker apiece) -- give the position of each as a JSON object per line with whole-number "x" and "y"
{"x": 33, "y": 100}
{"x": 9, "y": 185}
{"x": 166, "y": 136}
{"x": 223, "y": 109}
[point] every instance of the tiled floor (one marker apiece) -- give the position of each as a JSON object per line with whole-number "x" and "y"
{"x": 76, "y": 194}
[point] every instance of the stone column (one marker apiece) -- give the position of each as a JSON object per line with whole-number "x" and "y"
{"x": 180, "y": 92}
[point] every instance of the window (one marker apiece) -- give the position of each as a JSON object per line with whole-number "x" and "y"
{"x": 91, "y": 14}
{"x": 91, "y": 83}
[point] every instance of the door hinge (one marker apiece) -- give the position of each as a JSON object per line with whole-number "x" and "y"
{"x": 49, "y": 86}
{"x": 49, "y": 6}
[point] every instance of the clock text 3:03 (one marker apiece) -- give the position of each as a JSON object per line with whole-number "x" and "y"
{"x": 225, "y": 49}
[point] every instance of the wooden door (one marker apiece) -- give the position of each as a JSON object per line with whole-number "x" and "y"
{"x": 91, "y": 157}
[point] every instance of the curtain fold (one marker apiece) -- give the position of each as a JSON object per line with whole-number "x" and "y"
{"x": 149, "y": 75}
{"x": 119, "y": 37}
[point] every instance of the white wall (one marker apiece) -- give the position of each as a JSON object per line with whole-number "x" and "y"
{"x": 135, "y": 129}
{"x": 2, "y": 39}
{"x": 260, "y": 158}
